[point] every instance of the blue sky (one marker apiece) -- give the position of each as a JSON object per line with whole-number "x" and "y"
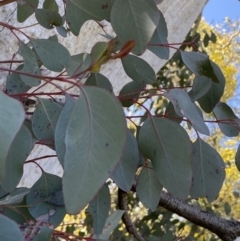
{"x": 216, "y": 10}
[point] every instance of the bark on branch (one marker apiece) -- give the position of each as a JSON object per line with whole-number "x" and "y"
{"x": 227, "y": 230}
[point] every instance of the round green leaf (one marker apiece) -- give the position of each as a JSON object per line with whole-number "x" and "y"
{"x": 9, "y": 231}
{"x": 99, "y": 80}
{"x": 168, "y": 146}
{"x": 135, "y": 20}
{"x": 138, "y": 70}
{"x": 95, "y": 140}
{"x": 25, "y": 10}
{"x": 48, "y": 18}
{"x": 208, "y": 171}
{"x": 54, "y": 56}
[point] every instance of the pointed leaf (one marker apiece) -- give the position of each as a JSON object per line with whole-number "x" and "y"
{"x": 79, "y": 64}
{"x": 12, "y": 116}
{"x": 201, "y": 85}
{"x": 95, "y": 139}
{"x": 168, "y": 146}
{"x": 99, "y": 208}
{"x": 160, "y": 38}
{"x": 54, "y": 56}
{"x": 46, "y": 187}
{"x": 124, "y": 173}
{"x": 237, "y": 158}
{"x": 30, "y": 65}
{"x": 9, "y": 231}
{"x": 25, "y": 10}
{"x": 99, "y": 80}
{"x": 171, "y": 114}
{"x": 45, "y": 118}
{"x": 138, "y": 70}
{"x": 15, "y": 196}
{"x": 199, "y": 64}
{"x": 111, "y": 223}
{"x": 135, "y": 20}
{"x": 60, "y": 130}
{"x": 184, "y": 107}
{"x": 80, "y": 11}
{"x": 18, "y": 153}
{"x": 212, "y": 97}
{"x": 48, "y": 18}
{"x": 208, "y": 171}
{"x": 149, "y": 188}
{"x": 226, "y": 118}
{"x": 130, "y": 93}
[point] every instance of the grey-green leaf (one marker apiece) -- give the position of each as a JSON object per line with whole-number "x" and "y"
{"x": 135, "y": 20}
{"x": 149, "y": 188}
{"x": 48, "y": 18}
{"x": 54, "y": 55}
{"x": 30, "y": 65}
{"x": 99, "y": 208}
{"x": 45, "y": 118}
{"x": 16, "y": 196}
{"x": 95, "y": 140}
{"x": 138, "y": 70}
{"x": 9, "y": 231}
{"x": 226, "y": 119}
{"x": 160, "y": 38}
{"x": 208, "y": 171}
{"x": 12, "y": 115}
{"x": 24, "y": 11}
{"x": 60, "y": 130}
{"x": 199, "y": 64}
{"x": 157, "y": 139}
{"x": 18, "y": 153}
{"x": 185, "y": 107}
{"x": 124, "y": 173}
{"x": 237, "y": 158}
{"x": 99, "y": 80}
{"x": 51, "y": 5}
{"x": 80, "y": 11}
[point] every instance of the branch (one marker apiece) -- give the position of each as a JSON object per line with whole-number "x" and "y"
{"x": 227, "y": 230}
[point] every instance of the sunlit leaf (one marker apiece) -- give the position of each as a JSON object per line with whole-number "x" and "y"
{"x": 157, "y": 139}
{"x": 95, "y": 140}
{"x": 208, "y": 171}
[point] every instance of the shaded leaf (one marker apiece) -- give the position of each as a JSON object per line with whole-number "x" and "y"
{"x": 138, "y": 70}
{"x": 48, "y": 18}
{"x": 171, "y": 113}
{"x": 15, "y": 196}
{"x": 237, "y": 158}
{"x": 51, "y": 5}
{"x": 99, "y": 208}
{"x": 201, "y": 85}
{"x": 149, "y": 188}
{"x": 42, "y": 191}
{"x": 79, "y": 64}
{"x": 54, "y": 56}
{"x": 18, "y": 153}
{"x": 111, "y": 223}
{"x": 135, "y": 20}
{"x": 45, "y": 118}
{"x": 99, "y": 80}
{"x": 95, "y": 139}
{"x": 25, "y": 10}
{"x": 124, "y": 173}
{"x": 9, "y": 231}
{"x": 160, "y": 38}
{"x": 184, "y": 107}
{"x": 12, "y": 116}
{"x": 199, "y": 64}
{"x": 30, "y": 65}
{"x": 61, "y": 126}
{"x": 226, "y": 118}
{"x": 157, "y": 139}
{"x": 212, "y": 97}
{"x": 80, "y": 11}
{"x": 44, "y": 234}
{"x": 130, "y": 92}
{"x": 208, "y": 171}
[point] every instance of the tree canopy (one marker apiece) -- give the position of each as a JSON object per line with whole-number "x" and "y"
{"x": 142, "y": 156}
